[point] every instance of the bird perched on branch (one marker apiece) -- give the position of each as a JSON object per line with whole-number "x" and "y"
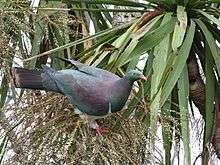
{"x": 95, "y": 92}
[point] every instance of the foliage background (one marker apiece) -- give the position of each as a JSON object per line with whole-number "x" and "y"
{"x": 177, "y": 44}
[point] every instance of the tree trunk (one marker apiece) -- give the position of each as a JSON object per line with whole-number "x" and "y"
{"x": 216, "y": 132}
{"x": 196, "y": 84}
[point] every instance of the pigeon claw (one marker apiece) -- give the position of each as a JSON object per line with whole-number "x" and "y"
{"x": 101, "y": 130}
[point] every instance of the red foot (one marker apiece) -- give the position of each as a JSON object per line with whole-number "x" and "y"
{"x": 101, "y": 130}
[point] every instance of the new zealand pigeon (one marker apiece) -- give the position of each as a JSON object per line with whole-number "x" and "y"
{"x": 95, "y": 92}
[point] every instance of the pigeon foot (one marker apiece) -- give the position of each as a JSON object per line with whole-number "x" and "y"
{"x": 101, "y": 130}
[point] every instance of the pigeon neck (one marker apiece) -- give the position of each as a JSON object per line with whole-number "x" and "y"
{"x": 119, "y": 93}
{"x": 128, "y": 80}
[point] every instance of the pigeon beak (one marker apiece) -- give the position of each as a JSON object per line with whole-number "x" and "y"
{"x": 142, "y": 77}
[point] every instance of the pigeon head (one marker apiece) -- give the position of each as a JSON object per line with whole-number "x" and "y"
{"x": 135, "y": 75}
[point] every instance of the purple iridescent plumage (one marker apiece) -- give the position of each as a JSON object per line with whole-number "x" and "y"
{"x": 95, "y": 92}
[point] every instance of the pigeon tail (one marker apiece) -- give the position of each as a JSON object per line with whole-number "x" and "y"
{"x": 34, "y": 79}
{"x": 25, "y": 78}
